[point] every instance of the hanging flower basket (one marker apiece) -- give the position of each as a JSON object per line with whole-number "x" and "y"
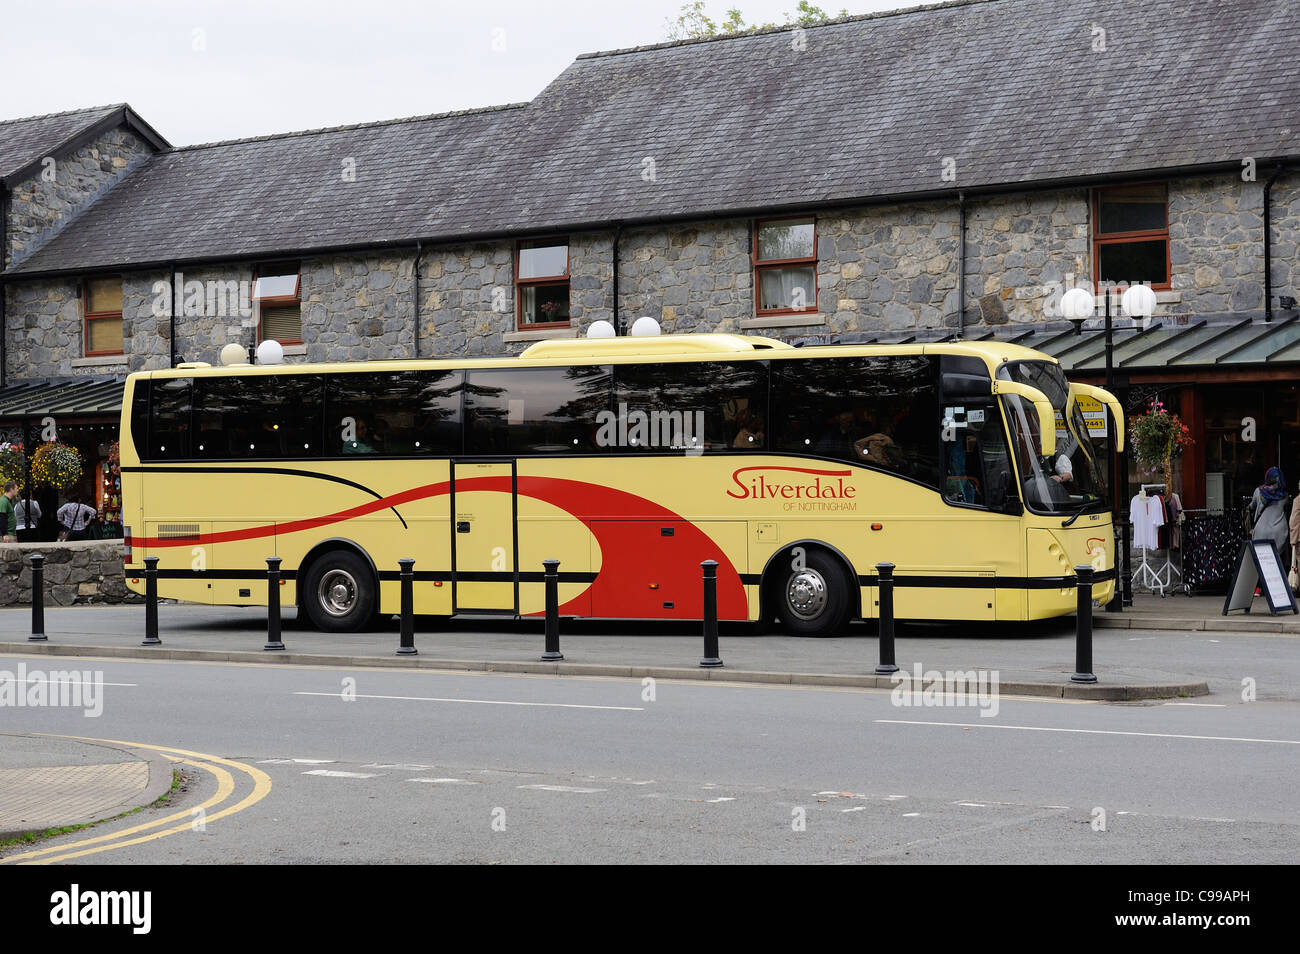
{"x": 56, "y": 465}
{"x": 1158, "y": 437}
{"x": 13, "y": 464}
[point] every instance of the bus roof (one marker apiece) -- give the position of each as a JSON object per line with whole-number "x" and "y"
{"x": 627, "y": 349}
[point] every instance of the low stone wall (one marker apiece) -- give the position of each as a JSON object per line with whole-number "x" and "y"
{"x": 88, "y": 571}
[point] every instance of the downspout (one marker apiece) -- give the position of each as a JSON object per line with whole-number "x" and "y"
{"x": 415, "y": 292}
{"x": 961, "y": 265}
{"x": 618, "y": 324}
{"x": 178, "y": 296}
{"x": 4, "y": 288}
{"x": 1268, "y": 243}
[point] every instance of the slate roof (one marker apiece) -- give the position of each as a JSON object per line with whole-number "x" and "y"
{"x": 24, "y": 142}
{"x": 867, "y": 110}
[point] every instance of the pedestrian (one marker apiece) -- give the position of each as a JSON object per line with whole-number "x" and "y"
{"x": 1268, "y": 511}
{"x": 8, "y": 521}
{"x": 1294, "y": 576}
{"x": 74, "y": 517}
{"x": 28, "y": 512}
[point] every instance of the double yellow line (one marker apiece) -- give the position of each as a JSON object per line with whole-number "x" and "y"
{"x": 121, "y": 839}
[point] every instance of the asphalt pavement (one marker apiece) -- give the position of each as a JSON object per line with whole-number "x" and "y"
{"x": 333, "y": 764}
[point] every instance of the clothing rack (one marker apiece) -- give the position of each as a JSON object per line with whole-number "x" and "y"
{"x": 1158, "y": 580}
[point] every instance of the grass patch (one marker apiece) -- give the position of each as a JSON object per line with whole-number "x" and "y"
{"x": 178, "y": 782}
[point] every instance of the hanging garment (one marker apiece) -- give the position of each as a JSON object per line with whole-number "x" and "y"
{"x": 1147, "y": 516}
{"x": 1175, "y": 517}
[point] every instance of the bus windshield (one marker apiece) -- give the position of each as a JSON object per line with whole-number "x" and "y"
{"x": 1070, "y": 481}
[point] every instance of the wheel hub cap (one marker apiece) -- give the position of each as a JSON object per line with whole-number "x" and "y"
{"x": 337, "y": 592}
{"x": 806, "y": 594}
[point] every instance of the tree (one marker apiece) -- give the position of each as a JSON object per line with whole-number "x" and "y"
{"x": 693, "y": 23}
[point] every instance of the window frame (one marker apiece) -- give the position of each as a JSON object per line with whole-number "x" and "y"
{"x": 544, "y": 281}
{"x": 269, "y": 269}
{"x": 87, "y": 316}
{"x": 762, "y": 265}
{"x": 1101, "y": 239}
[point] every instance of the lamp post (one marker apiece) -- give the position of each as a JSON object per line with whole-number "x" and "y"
{"x": 1138, "y": 302}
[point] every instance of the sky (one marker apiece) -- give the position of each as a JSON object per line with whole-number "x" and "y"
{"x": 203, "y": 71}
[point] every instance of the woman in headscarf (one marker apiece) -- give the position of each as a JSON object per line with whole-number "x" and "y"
{"x": 1268, "y": 508}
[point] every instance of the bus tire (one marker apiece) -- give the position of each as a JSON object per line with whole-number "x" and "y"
{"x": 339, "y": 593}
{"x": 815, "y": 599}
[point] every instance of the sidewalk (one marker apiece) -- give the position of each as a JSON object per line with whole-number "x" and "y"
{"x": 1195, "y": 613}
{"x": 52, "y": 782}
{"x": 1035, "y": 660}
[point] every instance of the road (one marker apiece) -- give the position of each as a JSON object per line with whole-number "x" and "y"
{"x": 423, "y": 766}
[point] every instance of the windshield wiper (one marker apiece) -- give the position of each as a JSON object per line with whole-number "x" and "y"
{"x": 1079, "y": 513}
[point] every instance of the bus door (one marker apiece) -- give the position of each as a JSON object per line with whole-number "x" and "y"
{"x": 484, "y": 555}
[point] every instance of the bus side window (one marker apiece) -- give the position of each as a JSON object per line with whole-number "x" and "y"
{"x": 531, "y": 411}
{"x": 400, "y": 414}
{"x": 706, "y": 407}
{"x": 169, "y": 426}
{"x": 879, "y": 412}
{"x": 270, "y": 416}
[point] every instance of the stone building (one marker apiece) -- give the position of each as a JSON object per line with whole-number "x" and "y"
{"x": 941, "y": 172}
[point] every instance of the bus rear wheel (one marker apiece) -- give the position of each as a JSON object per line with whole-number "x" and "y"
{"x": 338, "y": 593}
{"x": 812, "y": 595}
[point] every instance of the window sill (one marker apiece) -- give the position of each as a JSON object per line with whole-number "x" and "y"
{"x": 783, "y": 321}
{"x": 294, "y": 349}
{"x": 540, "y": 334}
{"x": 98, "y": 361}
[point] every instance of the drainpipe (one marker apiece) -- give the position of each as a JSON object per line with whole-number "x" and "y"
{"x": 4, "y": 321}
{"x": 1268, "y": 243}
{"x": 415, "y": 292}
{"x": 178, "y": 296}
{"x": 961, "y": 265}
{"x": 618, "y": 323}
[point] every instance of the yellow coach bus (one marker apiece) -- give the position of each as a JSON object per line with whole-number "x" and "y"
{"x": 630, "y": 460}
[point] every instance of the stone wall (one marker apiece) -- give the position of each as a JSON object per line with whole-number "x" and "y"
{"x": 44, "y": 204}
{"x": 689, "y": 278}
{"x": 879, "y": 268}
{"x": 357, "y": 308}
{"x": 89, "y": 571}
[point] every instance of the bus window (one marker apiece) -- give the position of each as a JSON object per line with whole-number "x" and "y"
{"x": 401, "y": 414}
{"x": 257, "y": 416}
{"x": 169, "y": 431}
{"x": 978, "y": 472}
{"x": 535, "y": 410}
{"x": 882, "y": 412}
{"x": 675, "y": 407}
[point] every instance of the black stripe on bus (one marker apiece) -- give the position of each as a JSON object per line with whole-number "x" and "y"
{"x": 288, "y": 472}
{"x": 420, "y": 576}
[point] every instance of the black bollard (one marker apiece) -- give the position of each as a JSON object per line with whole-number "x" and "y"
{"x": 711, "y": 658}
{"x": 151, "y": 602}
{"x": 38, "y": 600}
{"x": 552, "y": 653}
{"x": 273, "y": 640}
{"x": 885, "y": 585}
{"x": 1083, "y": 627}
{"x": 1128, "y": 568}
{"x": 407, "y": 644}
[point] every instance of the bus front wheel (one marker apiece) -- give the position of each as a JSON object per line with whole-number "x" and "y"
{"x": 339, "y": 593}
{"x": 812, "y": 595}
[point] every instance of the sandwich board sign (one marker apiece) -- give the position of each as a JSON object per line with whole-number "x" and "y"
{"x": 1259, "y": 565}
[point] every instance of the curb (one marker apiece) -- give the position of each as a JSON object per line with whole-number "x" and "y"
{"x": 160, "y": 782}
{"x": 1236, "y": 626}
{"x": 1061, "y": 690}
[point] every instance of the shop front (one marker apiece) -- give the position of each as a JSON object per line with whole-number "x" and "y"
{"x": 58, "y": 440}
